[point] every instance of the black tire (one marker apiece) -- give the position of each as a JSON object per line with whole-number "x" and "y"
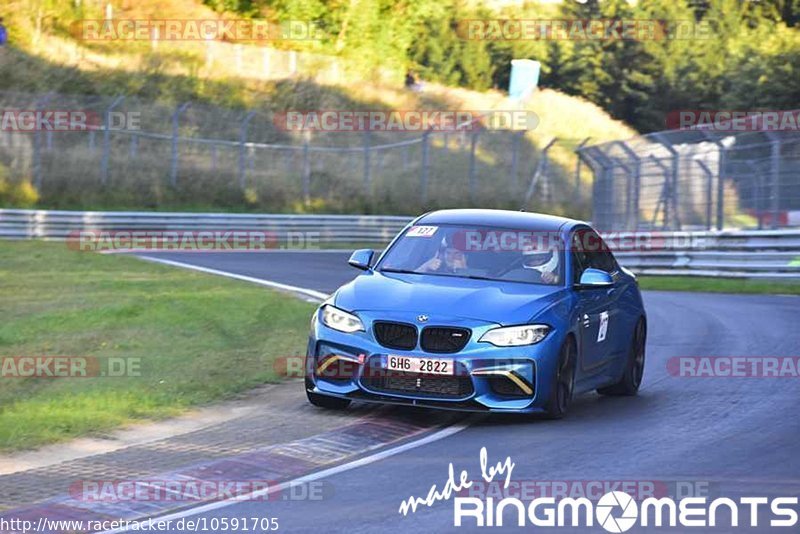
{"x": 329, "y": 403}
{"x": 563, "y": 382}
{"x": 628, "y": 385}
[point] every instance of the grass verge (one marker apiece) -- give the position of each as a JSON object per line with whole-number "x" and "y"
{"x": 718, "y": 285}
{"x": 198, "y": 339}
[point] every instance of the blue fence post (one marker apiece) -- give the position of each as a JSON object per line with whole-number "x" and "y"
{"x": 243, "y": 149}
{"x": 307, "y": 168}
{"x": 107, "y": 140}
{"x": 473, "y": 172}
{"x": 134, "y": 145}
{"x": 367, "y": 163}
{"x": 173, "y": 173}
{"x": 38, "y": 173}
{"x": 775, "y": 171}
{"x": 423, "y": 181}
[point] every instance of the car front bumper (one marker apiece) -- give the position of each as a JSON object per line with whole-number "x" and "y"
{"x": 486, "y": 379}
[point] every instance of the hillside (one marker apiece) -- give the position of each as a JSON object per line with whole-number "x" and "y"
{"x": 222, "y": 79}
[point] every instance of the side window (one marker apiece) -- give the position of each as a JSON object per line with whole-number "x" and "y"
{"x": 580, "y": 260}
{"x": 594, "y": 251}
{"x": 600, "y": 257}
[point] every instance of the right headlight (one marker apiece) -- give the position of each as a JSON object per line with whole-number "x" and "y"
{"x": 340, "y": 320}
{"x": 516, "y": 336}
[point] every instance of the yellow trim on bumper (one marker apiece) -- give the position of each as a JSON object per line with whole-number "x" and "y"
{"x": 327, "y": 363}
{"x": 520, "y": 383}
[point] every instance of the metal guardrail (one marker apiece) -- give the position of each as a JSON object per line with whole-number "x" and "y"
{"x": 59, "y": 225}
{"x": 738, "y": 254}
{"x": 731, "y": 254}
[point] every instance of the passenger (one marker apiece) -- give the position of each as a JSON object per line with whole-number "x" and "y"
{"x": 448, "y": 259}
{"x": 543, "y": 262}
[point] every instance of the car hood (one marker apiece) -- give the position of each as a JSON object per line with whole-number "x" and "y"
{"x": 505, "y": 303}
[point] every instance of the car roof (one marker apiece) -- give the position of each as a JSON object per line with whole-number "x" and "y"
{"x": 498, "y": 218}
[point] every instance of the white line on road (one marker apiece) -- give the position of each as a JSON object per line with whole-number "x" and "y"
{"x": 239, "y": 499}
{"x": 436, "y": 436}
{"x": 316, "y": 295}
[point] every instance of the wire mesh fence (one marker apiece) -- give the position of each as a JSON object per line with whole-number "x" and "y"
{"x": 129, "y": 153}
{"x": 696, "y": 179}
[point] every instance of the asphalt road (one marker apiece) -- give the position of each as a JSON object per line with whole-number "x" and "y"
{"x": 731, "y": 436}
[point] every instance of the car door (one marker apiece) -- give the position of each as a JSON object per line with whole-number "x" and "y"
{"x": 596, "y": 306}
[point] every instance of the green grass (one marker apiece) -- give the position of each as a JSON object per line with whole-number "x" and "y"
{"x": 718, "y": 285}
{"x": 199, "y": 339}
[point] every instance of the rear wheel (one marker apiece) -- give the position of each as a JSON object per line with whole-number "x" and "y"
{"x": 634, "y": 369}
{"x": 563, "y": 382}
{"x": 330, "y": 403}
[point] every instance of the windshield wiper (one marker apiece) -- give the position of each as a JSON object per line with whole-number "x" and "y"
{"x": 475, "y": 277}
{"x": 399, "y": 271}
{"x": 448, "y": 275}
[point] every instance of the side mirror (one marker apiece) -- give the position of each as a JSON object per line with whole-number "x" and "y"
{"x": 361, "y": 259}
{"x": 595, "y": 278}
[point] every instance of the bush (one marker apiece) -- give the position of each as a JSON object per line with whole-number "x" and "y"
{"x": 20, "y": 194}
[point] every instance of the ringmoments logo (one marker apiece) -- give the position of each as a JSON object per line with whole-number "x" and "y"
{"x": 612, "y": 501}
{"x": 615, "y": 511}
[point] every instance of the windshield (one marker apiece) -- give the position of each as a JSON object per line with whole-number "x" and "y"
{"x": 502, "y": 254}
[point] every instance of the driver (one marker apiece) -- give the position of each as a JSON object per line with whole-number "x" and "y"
{"x": 543, "y": 260}
{"x": 448, "y": 259}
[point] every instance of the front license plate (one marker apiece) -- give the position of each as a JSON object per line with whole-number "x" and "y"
{"x": 410, "y": 364}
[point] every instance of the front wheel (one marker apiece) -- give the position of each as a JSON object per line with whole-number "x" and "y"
{"x": 628, "y": 385}
{"x": 563, "y": 382}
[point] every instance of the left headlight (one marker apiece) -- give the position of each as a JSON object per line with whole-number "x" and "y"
{"x": 340, "y": 320}
{"x": 516, "y": 336}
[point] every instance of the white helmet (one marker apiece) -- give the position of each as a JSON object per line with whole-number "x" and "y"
{"x": 536, "y": 256}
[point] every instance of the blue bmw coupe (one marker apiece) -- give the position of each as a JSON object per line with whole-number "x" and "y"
{"x": 480, "y": 310}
